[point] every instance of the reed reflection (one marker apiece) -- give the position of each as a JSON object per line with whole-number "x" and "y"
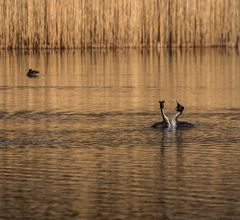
{"x": 73, "y": 79}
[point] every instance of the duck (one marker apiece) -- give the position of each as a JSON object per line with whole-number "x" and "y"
{"x": 33, "y": 73}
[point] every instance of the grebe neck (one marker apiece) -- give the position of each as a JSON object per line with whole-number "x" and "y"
{"x": 174, "y": 120}
{"x": 165, "y": 118}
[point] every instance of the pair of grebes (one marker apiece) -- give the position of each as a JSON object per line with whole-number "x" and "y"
{"x": 166, "y": 123}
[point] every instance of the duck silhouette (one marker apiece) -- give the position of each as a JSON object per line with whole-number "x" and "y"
{"x": 33, "y": 73}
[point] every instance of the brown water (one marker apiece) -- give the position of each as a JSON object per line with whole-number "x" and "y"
{"x": 76, "y": 143}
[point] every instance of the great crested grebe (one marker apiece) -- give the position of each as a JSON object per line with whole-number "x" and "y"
{"x": 175, "y": 122}
{"x": 165, "y": 123}
{"x": 33, "y": 73}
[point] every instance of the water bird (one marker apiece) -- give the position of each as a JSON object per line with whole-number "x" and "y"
{"x": 33, "y": 73}
{"x": 175, "y": 123}
{"x": 165, "y": 123}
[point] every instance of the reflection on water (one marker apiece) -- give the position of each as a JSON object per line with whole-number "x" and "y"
{"x": 76, "y": 143}
{"x": 104, "y": 80}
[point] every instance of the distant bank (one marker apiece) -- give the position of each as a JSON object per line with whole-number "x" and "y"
{"x": 119, "y": 23}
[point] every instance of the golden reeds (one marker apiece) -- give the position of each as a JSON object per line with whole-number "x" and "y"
{"x": 119, "y": 23}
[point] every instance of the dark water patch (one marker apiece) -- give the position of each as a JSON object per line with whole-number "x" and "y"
{"x": 231, "y": 110}
{"x": 4, "y": 87}
{"x": 35, "y": 114}
{"x": 24, "y": 113}
{"x": 3, "y": 114}
{"x": 34, "y": 143}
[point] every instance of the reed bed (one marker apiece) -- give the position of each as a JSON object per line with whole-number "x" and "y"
{"x": 119, "y": 23}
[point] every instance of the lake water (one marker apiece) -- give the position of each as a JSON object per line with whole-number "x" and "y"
{"x": 76, "y": 142}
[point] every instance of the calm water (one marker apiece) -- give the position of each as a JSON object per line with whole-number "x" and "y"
{"x": 76, "y": 143}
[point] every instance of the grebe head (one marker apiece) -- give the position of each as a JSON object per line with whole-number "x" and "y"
{"x": 30, "y": 70}
{"x": 161, "y": 104}
{"x": 179, "y": 108}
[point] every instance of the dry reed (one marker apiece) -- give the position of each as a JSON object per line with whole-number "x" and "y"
{"x": 119, "y": 23}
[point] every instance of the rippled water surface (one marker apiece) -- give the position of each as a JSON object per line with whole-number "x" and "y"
{"x": 76, "y": 142}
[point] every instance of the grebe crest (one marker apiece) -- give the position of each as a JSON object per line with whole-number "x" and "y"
{"x": 179, "y": 108}
{"x": 175, "y": 123}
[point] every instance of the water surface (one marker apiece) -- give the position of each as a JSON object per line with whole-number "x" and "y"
{"x": 76, "y": 143}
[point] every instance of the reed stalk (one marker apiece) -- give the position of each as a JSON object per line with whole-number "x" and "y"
{"x": 119, "y": 23}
